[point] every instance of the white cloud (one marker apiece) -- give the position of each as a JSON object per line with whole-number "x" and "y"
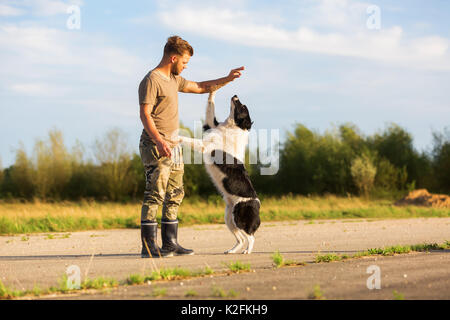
{"x": 330, "y": 27}
{"x": 336, "y": 14}
{"x": 6, "y": 10}
{"x": 36, "y": 7}
{"x": 48, "y": 7}
{"x": 46, "y": 62}
{"x": 37, "y": 44}
{"x": 37, "y": 89}
{"x": 75, "y": 80}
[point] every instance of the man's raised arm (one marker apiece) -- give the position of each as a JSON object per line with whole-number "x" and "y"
{"x": 212, "y": 85}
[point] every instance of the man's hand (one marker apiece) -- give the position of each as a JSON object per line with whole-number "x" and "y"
{"x": 149, "y": 125}
{"x": 235, "y": 73}
{"x": 163, "y": 148}
{"x": 212, "y": 85}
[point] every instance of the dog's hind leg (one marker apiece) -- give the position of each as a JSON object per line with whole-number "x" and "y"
{"x": 234, "y": 230}
{"x": 239, "y": 243}
{"x": 251, "y": 242}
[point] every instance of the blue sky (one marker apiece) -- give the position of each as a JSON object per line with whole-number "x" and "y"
{"x": 308, "y": 61}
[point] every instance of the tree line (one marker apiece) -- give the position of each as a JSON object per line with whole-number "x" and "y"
{"x": 341, "y": 161}
{"x": 345, "y": 161}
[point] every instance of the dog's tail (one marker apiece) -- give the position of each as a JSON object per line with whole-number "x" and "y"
{"x": 246, "y": 216}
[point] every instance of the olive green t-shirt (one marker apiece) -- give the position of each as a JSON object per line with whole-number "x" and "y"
{"x": 162, "y": 95}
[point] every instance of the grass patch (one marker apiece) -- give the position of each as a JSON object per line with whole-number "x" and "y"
{"x": 208, "y": 270}
{"x": 221, "y": 293}
{"x": 174, "y": 274}
{"x": 167, "y": 274}
{"x": 279, "y": 261}
{"x": 99, "y": 283}
{"x": 97, "y": 235}
{"x": 386, "y": 251}
{"x": 431, "y": 246}
{"x": 316, "y": 294}
{"x": 135, "y": 279}
{"x": 103, "y": 283}
{"x": 389, "y": 251}
{"x": 398, "y": 295}
{"x": 329, "y": 257}
{"x": 237, "y": 266}
{"x": 62, "y": 287}
{"x": 7, "y": 293}
{"x": 33, "y": 217}
{"x": 191, "y": 293}
{"x": 159, "y": 292}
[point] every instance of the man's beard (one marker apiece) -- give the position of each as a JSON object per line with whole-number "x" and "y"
{"x": 174, "y": 70}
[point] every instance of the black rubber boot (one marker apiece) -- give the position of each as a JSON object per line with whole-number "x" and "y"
{"x": 150, "y": 247}
{"x": 169, "y": 235}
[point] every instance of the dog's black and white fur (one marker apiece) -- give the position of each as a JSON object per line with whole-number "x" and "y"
{"x": 223, "y": 148}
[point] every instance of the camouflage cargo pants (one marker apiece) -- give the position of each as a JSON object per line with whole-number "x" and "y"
{"x": 164, "y": 181}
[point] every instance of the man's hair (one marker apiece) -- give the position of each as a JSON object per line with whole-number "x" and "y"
{"x": 176, "y": 45}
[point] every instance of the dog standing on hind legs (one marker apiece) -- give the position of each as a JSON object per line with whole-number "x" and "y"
{"x": 223, "y": 148}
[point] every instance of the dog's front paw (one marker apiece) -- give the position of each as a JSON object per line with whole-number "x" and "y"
{"x": 212, "y": 94}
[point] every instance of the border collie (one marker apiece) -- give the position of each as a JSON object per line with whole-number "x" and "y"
{"x": 223, "y": 148}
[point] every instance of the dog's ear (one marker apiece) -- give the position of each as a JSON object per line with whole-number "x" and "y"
{"x": 245, "y": 123}
{"x": 243, "y": 120}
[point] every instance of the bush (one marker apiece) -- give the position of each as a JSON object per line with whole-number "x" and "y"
{"x": 441, "y": 160}
{"x": 363, "y": 173}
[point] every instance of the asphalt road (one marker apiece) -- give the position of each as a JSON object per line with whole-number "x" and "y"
{"x": 41, "y": 260}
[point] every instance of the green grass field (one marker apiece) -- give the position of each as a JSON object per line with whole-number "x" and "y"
{"x": 22, "y": 218}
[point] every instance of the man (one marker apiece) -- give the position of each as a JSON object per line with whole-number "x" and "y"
{"x": 160, "y": 152}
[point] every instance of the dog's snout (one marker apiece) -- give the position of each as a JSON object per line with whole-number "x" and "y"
{"x": 234, "y": 98}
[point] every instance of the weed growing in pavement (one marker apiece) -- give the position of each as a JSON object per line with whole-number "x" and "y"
{"x": 191, "y": 293}
{"x": 279, "y": 261}
{"x": 221, "y": 293}
{"x": 99, "y": 283}
{"x": 329, "y": 257}
{"x": 167, "y": 274}
{"x": 238, "y": 266}
{"x": 316, "y": 294}
{"x": 386, "y": 251}
{"x": 159, "y": 292}
{"x": 398, "y": 295}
